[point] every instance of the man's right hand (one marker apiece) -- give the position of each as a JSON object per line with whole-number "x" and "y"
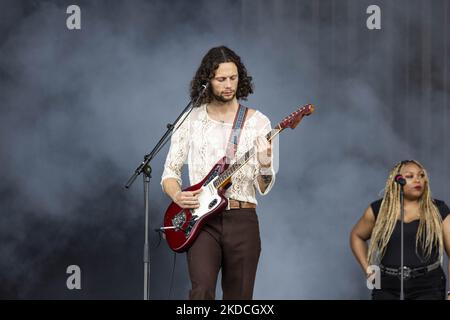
{"x": 187, "y": 199}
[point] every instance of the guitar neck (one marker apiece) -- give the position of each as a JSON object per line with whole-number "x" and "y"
{"x": 225, "y": 176}
{"x": 290, "y": 121}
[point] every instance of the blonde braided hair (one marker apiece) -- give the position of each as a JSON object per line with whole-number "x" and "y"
{"x": 429, "y": 233}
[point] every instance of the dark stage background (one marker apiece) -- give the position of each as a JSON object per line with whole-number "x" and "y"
{"x": 80, "y": 108}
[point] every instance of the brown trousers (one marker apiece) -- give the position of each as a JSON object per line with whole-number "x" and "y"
{"x": 229, "y": 240}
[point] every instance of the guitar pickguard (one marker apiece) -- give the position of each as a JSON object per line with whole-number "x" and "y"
{"x": 185, "y": 220}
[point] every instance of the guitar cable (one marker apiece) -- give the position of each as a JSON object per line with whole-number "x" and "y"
{"x": 159, "y": 231}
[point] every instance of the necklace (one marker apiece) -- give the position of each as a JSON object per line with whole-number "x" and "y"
{"x": 219, "y": 120}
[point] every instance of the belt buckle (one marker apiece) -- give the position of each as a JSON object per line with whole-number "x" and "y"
{"x": 406, "y": 273}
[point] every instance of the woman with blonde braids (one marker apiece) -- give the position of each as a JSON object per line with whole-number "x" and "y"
{"x": 426, "y": 237}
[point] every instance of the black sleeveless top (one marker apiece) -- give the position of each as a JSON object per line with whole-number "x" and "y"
{"x": 411, "y": 257}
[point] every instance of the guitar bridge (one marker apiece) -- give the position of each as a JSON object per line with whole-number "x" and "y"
{"x": 179, "y": 220}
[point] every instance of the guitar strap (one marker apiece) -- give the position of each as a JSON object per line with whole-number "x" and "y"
{"x": 236, "y": 131}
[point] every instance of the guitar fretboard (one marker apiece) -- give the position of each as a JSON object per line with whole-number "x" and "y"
{"x": 224, "y": 176}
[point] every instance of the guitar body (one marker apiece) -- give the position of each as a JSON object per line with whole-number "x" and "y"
{"x": 182, "y": 226}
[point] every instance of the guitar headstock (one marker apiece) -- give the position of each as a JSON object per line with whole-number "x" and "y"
{"x": 295, "y": 117}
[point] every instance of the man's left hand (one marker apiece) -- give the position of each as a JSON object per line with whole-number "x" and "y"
{"x": 263, "y": 151}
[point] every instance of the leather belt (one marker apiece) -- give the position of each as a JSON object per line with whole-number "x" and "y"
{"x": 410, "y": 272}
{"x": 236, "y": 204}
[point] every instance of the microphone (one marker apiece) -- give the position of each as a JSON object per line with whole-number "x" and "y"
{"x": 201, "y": 92}
{"x": 400, "y": 180}
{"x": 204, "y": 87}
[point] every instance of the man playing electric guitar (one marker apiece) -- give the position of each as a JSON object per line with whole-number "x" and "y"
{"x": 228, "y": 240}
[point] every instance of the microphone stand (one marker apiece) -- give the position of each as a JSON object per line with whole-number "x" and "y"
{"x": 402, "y": 217}
{"x": 146, "y": 170}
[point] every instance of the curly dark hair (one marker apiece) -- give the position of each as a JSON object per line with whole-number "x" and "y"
{"x": 206, "y": 72}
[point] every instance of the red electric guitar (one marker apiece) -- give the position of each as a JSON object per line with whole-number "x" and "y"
{"x": 182, "y": 226}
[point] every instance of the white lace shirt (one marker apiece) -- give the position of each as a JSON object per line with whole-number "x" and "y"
{"x": 202, "y": 141}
